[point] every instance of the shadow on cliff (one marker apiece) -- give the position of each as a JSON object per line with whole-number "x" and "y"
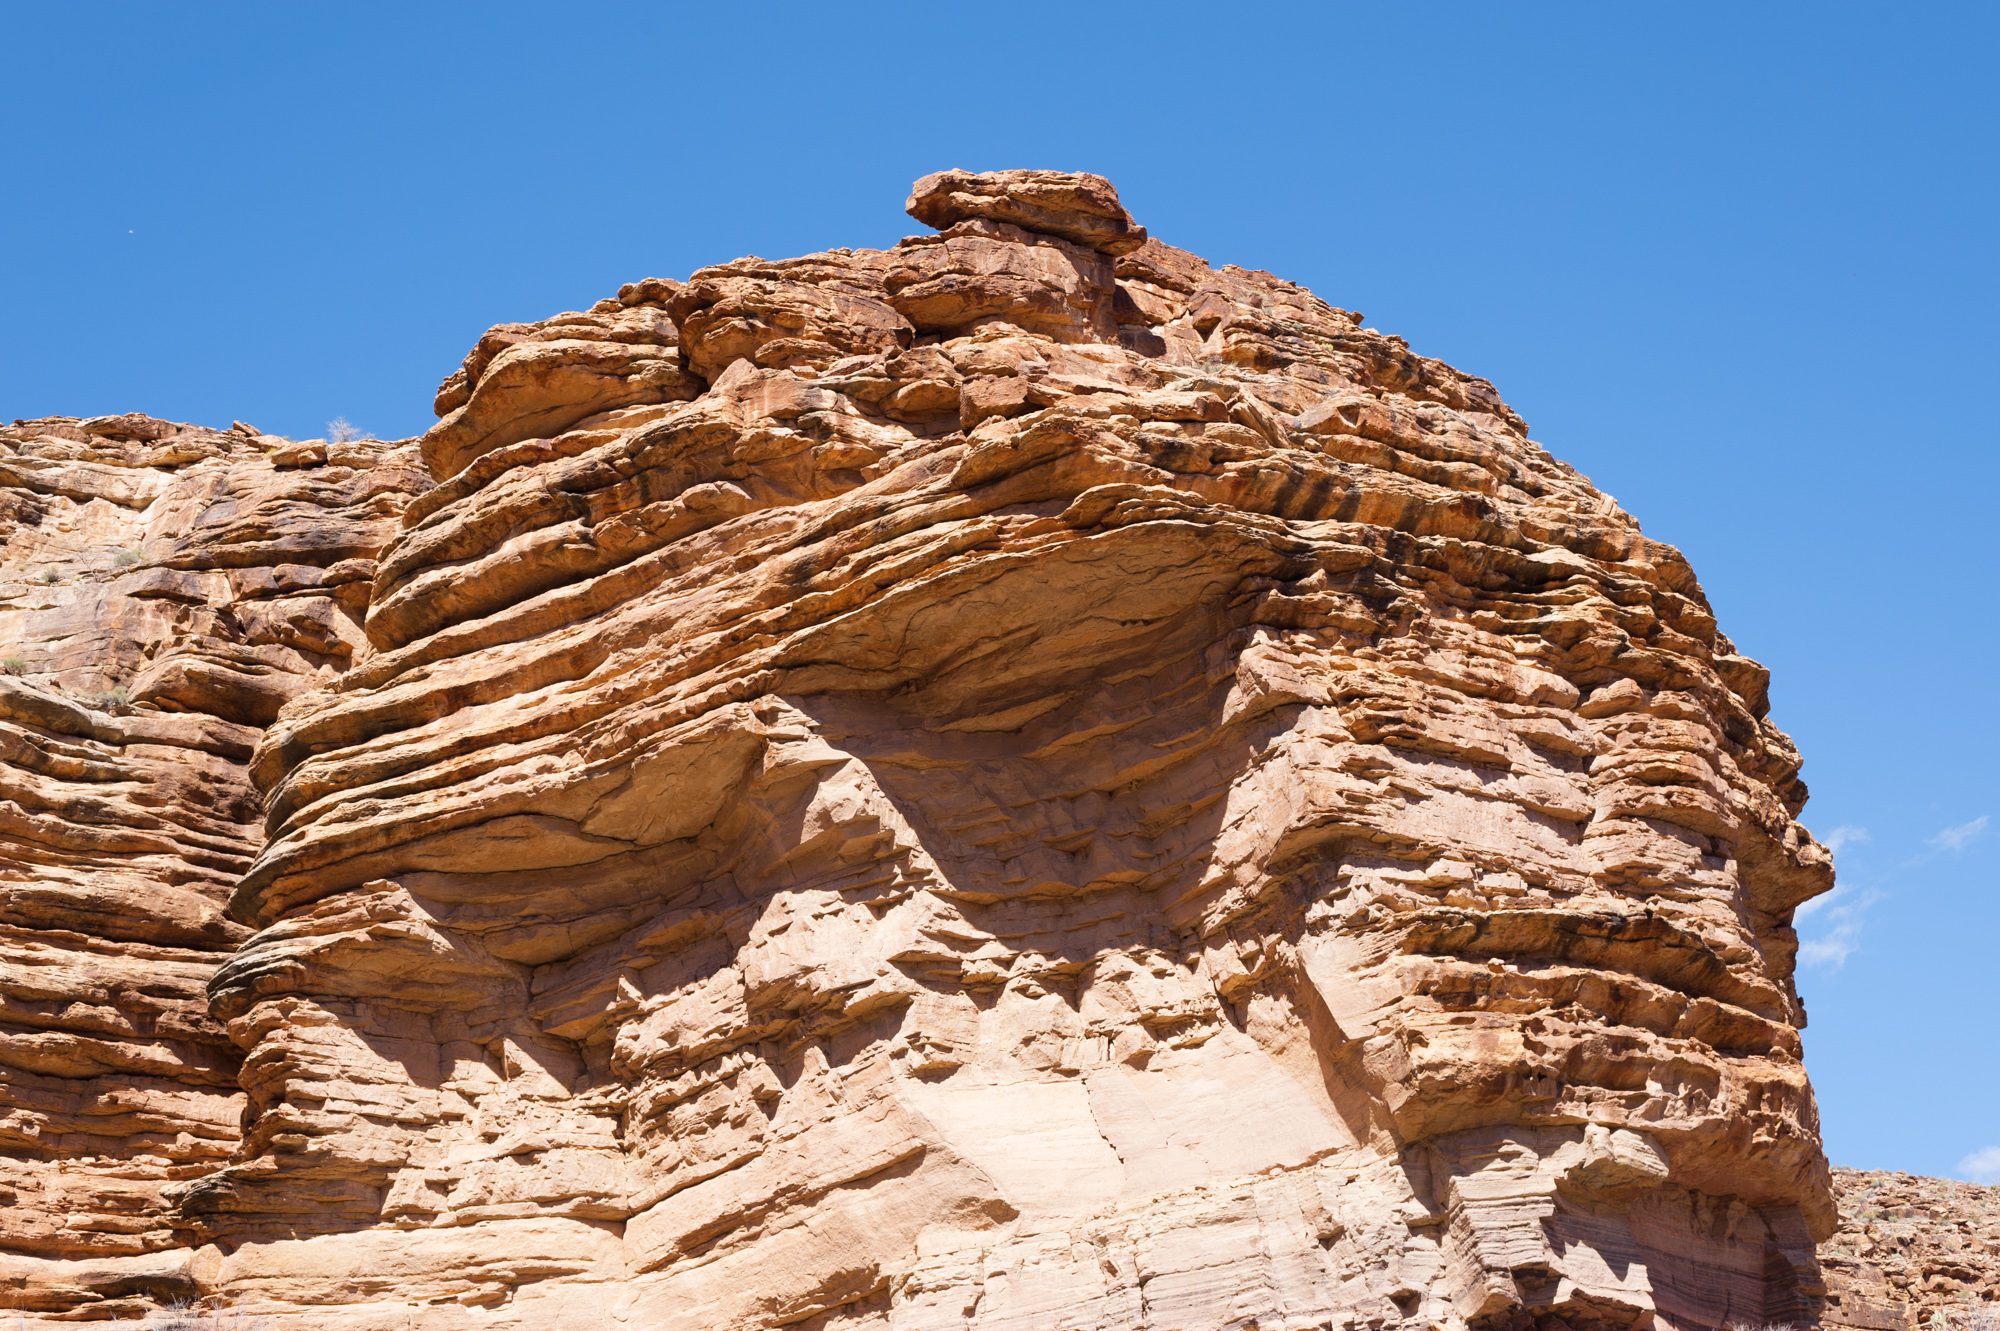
{"x": 1094, "y": 825}
{"x": 1067, "y": 831}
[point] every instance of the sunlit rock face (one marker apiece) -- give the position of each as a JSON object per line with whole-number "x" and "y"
{"x": 164, "y": 590}
{"x": 1017, "y": 781}
{"x": 1912, "y": 1253}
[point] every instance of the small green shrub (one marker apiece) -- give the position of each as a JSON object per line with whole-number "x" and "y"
{"x": 125, "y": 558}
{"x": 115, "y": 696}
{"x": 15, "y": 665}
{"x": 48, "y": 577}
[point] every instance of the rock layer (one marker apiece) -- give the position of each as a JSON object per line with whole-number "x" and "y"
{"x": 165, "y": 590}
{"x": 1012, "y": 781}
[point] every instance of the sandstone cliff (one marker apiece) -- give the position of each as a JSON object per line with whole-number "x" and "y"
{"x": 166, "y": 589}
{"x": 1017, "y": 781}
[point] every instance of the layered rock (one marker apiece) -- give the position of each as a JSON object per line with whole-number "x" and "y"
{"x": 165, "y": 590}
{"x": 1017, "y": 780}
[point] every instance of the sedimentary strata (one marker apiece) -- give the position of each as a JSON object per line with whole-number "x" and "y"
{"x": 1913, "y": 1252}
{"x": 1019, "y": 780}
{"x": 165, "y": 590}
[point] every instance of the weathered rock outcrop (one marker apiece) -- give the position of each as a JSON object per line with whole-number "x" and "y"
{"x": 165, "y": 590}
{"x": 1020, "y": 780}
{"x": 1913, "y": 1252}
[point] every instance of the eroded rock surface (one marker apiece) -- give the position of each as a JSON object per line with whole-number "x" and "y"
{"x": 1021, "y": 780}
{"x": 1913, "y": 1253}
{"x": 165, "y": 590}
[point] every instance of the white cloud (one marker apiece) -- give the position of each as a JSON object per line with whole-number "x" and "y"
{"x": 1833, "y": 950}
{"x": 1844, "y": 911}
{"x": 1958, "y": 838}
{"x": 1982, "y": 1166}
{"x": 1844, "y": 836}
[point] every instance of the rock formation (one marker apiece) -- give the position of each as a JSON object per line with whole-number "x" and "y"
{"x": 1913, "y": 1252}
{"x": 1016, "y": 781}
{"x": 165, "y": 591}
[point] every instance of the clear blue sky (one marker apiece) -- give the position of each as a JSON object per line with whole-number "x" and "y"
{"x": 1736, "y": 262}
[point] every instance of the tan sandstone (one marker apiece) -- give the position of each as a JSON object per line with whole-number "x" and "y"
{"x": 166, "y": 590}
{"x": 1020, "y": 781}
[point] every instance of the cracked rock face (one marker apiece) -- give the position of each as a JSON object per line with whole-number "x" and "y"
{"x": 1021, "y": 780}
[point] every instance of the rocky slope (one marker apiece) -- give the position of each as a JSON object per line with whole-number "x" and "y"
{"x": 1913, "y": 1252}
{"x": 1017, "y": 780}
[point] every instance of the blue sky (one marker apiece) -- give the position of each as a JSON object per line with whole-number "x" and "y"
{"x": 1737, "y": 263}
